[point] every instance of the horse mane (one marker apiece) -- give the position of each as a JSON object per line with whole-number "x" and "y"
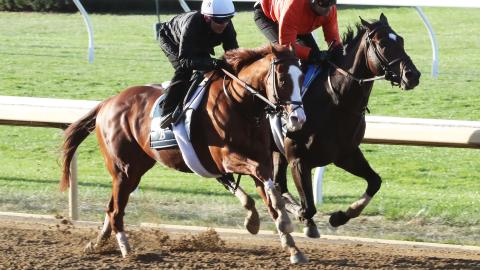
{"x": 350, "y": 38}
{"x": 241, "y": 57}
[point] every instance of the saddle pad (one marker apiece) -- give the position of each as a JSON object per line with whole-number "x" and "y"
{"x": 180, "y": 136}
{"x": 310, "y": 75}
{"x": 278, "y": 125}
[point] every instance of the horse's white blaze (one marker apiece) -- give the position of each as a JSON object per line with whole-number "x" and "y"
{"x": 297, "y": 117}
{"x": 392, "y": 36}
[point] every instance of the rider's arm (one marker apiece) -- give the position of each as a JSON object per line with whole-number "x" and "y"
{"x": 288, "y": 32}
{"x": 229, "y": 38}
{"x": 330, "y": 28}
{"x": 191, "y": 34}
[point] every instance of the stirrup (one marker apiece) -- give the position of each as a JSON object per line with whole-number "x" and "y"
{"x": 166, "y": 120}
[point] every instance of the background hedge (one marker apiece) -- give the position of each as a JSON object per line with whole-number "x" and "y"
{"x": 110, "y": 6}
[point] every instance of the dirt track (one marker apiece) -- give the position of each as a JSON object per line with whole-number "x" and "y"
{"x": 60, "y": 246}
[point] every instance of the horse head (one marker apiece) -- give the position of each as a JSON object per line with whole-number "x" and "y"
{"x": 385, "y": 55}
{"x": 274, "y": 72}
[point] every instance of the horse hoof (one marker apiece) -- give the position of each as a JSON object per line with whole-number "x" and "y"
{"x": 89, "y": 248}
{"x": 311, "y": 232}
{"x": 338, "y": 218}
{"x": 298, "y": 258}
{"x": 252, "y": 222}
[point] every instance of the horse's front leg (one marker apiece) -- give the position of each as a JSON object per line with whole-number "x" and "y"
{"x": 356, "y": 164}
{"x": 277, "y": 210}
{"x": 252, "y": 220}
{"x": 302, "y": 177}
{"x": 273, "y": 199}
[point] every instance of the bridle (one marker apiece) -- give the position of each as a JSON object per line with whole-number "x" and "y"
{"x": 298, "y": 103}
{"x": 272, "y": 108}
{"x": 385, "y": 64}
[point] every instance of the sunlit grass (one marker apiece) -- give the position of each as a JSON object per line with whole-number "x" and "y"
{"x": 45, "y": 55}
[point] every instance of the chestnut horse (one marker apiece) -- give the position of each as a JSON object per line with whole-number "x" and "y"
{"x": 230, "y": 134}
{"x": 335, "y": 105}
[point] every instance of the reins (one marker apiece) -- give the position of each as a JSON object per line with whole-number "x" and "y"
{"x": 251, "y": 90}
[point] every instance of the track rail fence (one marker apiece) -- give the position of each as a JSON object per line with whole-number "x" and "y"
{"x": 59, "y": 113}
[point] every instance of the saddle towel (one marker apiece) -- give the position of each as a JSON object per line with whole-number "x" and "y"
{"x": 180, "y": 136}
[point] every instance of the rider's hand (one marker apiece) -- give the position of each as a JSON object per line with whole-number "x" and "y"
{"x": 219, "y": 64}
{"x": 318, "y": 57}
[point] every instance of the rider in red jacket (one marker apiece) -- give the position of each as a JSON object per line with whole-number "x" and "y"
{"x": 291, "y": 22}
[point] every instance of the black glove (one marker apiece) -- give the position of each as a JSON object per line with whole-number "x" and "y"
{"x": 318, "y": 57}
{"x": 219, "y": 64}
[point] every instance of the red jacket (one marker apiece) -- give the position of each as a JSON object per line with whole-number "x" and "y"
{"x": 296, "y": 17}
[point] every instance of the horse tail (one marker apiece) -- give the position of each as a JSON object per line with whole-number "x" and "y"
{"x": 75, "y": 134}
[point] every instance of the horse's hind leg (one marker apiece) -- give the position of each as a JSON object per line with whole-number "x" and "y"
{"x": 356, "y": 164}
{"x": 125, "y": 178}
{"x": 104, "y": 234}
{"x": 252, "y": 220}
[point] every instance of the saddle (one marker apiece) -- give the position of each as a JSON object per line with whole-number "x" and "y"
{"x": 179, "y": 136}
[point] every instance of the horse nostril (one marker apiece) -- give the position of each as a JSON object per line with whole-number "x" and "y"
{"x": 294, "y": 119}
{"x": 409, "y": 75}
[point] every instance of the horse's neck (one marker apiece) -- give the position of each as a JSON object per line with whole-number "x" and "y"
{"x": 353, "y": 95}
{"x": 236, "y": 101}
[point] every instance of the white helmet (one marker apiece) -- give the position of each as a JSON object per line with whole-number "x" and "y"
{"x": 218, "y": 8}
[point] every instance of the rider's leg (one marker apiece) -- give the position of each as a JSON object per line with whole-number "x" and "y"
{"x": 174, "y": 95}
{"x": 268, "y": 27}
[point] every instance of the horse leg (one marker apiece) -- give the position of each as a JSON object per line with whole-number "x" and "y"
{"x": 104, "y": 234}
{"x": 356, "y": 164}
{"x": 271, "y": 197}
{"x": 273, "y": 200}
{"x": 126, "y": 174}
{"x": 280, "y": 165}
{"x": 302, "y": 177}
{"x": 252, "y": 220}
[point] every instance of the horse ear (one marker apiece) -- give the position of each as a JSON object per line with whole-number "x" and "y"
{"x": 365, "y": 23}
{"x": 383, "y": 19}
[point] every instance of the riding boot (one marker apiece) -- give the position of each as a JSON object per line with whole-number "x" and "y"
{"x": 174, "y": 96}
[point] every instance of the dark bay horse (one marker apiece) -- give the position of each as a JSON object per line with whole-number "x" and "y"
{"x": 229, "y": 133}
{"x": 335, "y": 106}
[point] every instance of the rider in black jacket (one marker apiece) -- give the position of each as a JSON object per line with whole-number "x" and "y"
{"x": 188, "y": 40}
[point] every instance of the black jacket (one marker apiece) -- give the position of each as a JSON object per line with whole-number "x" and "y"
{"x": 189, "y": 37}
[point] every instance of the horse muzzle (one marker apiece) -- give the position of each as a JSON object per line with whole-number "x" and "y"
{"x": 296, "y": 117}
{"x": 410, "y": 77}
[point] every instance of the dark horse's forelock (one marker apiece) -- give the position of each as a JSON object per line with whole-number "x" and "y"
{"x": 242, "y": 57}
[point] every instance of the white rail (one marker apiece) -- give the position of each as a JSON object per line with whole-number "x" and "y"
{"x": 59, "y": 113}
{"x": 47, "y": 112}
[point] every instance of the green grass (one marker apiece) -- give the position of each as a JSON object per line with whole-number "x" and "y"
{"x": 45, "y": 55}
